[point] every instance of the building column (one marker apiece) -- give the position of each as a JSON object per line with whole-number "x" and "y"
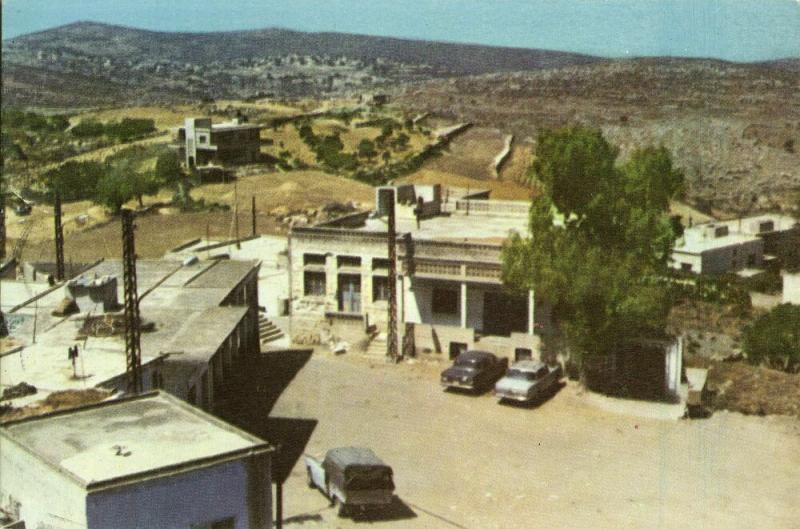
{"x": 531, "y": 309}
{"x": 463, "y": 305}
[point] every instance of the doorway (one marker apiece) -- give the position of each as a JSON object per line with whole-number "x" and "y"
{"x": 504, "y": 314}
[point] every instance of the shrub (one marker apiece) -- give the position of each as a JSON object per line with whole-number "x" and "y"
{"x": 774, "y": 339}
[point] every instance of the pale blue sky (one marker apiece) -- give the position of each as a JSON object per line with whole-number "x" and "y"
{"x": 741, "y": 30}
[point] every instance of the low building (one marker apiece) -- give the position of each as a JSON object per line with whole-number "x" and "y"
{"x": 202, "y": 143}
{"x": 450, "y": 293}
{"x": 741, "y": 245}
{"x": 144, "y": 461}
{"x": 713, "y": 249}
{"x": 199, "y": 323}
{"x": 791, "y": 288}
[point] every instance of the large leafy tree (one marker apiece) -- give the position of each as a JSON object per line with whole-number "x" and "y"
{"x": 599, "y": 235}
{"x": 168, "y": 172}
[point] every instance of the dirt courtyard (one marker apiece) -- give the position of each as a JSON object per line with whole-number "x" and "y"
{"x": 466, "y": 462}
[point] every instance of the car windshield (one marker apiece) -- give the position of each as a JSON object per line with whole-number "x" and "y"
{"x": 361, "y": 478}
{"x": 521, "y": 375}
{"x": 469, "y": 361}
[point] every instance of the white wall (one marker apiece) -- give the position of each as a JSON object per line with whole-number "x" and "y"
{"x": 184, "y": 501}
{"x": 791, "y": 288}
{"x": 47, "y": 498}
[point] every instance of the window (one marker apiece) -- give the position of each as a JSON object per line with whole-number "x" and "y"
{"x": 348, "y": 260}
{"x": 313, "y": 259}
{"x": 202, "y": 138}
{"x": 314, "y": 283}
{"x": 380, "y": 288}
{"x": 445, "y": 301}
{"x": 686, "y": 267}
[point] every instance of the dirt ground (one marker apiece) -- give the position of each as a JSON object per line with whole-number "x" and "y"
{"x": 158, "y": 233}
{"x": 466, "y": 462}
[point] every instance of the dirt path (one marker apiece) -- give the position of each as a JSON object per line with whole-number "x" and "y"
{"x": 467, "y": 462}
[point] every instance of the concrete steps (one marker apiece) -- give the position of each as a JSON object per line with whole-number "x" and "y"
{"x": 268, "y": 331}
{"x": 377, "y": 346}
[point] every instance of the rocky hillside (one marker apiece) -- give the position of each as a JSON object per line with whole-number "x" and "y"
{"x": 734, "y": 128}
{"x": 242, "y": 63}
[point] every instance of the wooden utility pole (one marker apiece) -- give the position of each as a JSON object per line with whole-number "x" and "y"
{"x": 391, "y": 338}
{"x": 133, "y": 351}
{"x": 253, "y": 209}
{"x": 2, "y": 222}
{"x": 59, "y": 238}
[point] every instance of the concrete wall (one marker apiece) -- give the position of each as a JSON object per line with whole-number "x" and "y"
{"x": 40, "y": 495}
{"x": 694, "y": 261}
{"x": 791, "y": 288}
{"x": 191, "y": 500}
{"x": 733, "y": 258}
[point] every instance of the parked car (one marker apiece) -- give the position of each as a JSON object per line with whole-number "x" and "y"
{"x": 474, "y": 370}
{"x": 351, "y": 477}
{"x": 527, "y": 380}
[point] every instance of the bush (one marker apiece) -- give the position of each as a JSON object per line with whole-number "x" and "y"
{"x": 774, "y": 339}
{"x": 125, "y": 130}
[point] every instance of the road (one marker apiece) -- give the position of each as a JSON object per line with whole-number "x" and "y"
{"x": 464, "y": 461}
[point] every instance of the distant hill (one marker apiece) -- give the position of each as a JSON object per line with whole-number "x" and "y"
{"x": 160, "y": 67}
{"x": 118, "y": 42}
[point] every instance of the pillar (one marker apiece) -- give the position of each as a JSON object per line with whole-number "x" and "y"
{"x": 463, "y": 305}
{"x": 531, "y": 309}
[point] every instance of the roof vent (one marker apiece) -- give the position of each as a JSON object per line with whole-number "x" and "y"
{"x": 121, "y": 450}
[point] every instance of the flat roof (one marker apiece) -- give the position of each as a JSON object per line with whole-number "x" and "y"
{"x": 182, "y": 302}
{"x": 486, "y": 229}
{"x": 695, "y": 243}
{"x": 131, "y": 440}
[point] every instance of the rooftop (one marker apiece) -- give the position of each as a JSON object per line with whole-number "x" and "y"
{"x": 695, "y": 241}
{"x": 182, "y": 303}
{"x": 131, "y": 439}
{"x": 457, "y": 227}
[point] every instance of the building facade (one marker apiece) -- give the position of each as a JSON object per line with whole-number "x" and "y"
{"x": 201, "y": 143}
{"x": 450, "y": 295}
{"x": 133, "y": 463}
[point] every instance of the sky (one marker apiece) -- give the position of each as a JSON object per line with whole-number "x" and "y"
{"x": 737, "y": 30}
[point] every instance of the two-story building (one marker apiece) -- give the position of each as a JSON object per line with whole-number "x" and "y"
{"x": 201, "y": 142}
{"x": 449, "y": 290}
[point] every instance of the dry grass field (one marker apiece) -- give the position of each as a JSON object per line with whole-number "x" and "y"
{"x": 471, "y": 154}
{"x": 500, "y": 189}
{"x": 158, "y": 232}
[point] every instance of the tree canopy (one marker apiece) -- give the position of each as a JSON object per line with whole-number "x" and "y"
{"x": 599, "y": 235}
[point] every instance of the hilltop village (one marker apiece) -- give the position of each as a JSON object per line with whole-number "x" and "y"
{"x": 356, "y": 307}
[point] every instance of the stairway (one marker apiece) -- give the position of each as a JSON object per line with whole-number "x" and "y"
{"x": 268, "y": 331}
{"x": 377, "y": 346}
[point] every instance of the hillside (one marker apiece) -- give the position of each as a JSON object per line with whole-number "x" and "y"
{"x": 733, "y": 128}
{"x": 161, "y": 66}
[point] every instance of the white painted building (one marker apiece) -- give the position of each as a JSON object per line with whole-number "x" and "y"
{"x": 714, "y": 249}
{"x": 741, "y": 245}
{"x": 450, "y": 294}
{"x": 143, "y": 462}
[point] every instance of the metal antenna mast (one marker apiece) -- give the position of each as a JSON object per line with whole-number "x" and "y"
{"x": 133, "y": 352}
{"x": 59, "y": 238}
{"x": 391, "y": 338}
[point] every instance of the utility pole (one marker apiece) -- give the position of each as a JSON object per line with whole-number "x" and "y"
{"x": 391, "y": 338}
{"x": 133, "y": 351}
{"x": 253, "y": 209}
{"x": 236, "y": 213}
{"x": 2, "y": 222}
{"x": 59, "y": 237}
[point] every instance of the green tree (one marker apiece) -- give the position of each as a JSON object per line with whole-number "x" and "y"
{"x": 115, "y": 188}
{"x": 366, "y": 148}
{"x": 774, "y": 339}
{"x": 168, "y": 172}
{"x": 74, "y": 180}
{"x": 595, "y": 247}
